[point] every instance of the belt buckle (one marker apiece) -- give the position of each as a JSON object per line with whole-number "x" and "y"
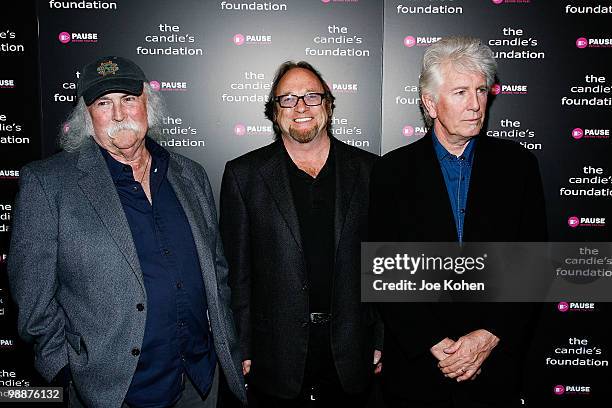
{"x": 319, "y": 318}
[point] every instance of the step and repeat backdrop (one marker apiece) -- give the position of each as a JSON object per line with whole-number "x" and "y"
{"x": 213, "y": 62}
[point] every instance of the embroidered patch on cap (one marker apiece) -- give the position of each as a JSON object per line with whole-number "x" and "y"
{"x": 108, "y": 68}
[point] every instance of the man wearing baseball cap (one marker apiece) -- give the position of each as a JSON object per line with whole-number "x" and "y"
{"x": 116, "y": 262}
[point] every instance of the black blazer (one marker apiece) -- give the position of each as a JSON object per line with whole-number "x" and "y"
{"x": 261, "y": 236}
{"x": 409, "y": 203}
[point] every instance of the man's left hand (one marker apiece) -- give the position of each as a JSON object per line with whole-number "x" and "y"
{"x": 467, "y": 354}
{"x": 377, "y": 362}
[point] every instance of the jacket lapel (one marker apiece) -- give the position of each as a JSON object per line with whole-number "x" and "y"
{"x": 435, "y": 191}
{"x": 98, "y": 187}
{"x": 201, "y": 223}
{"x": 480, "y": 180}
{"x": 346, "y": 176}
{"x": 276, "y": 177}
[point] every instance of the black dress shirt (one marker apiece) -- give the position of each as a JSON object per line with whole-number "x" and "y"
{"x": 314, "y": 200}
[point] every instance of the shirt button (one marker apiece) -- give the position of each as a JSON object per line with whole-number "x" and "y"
{"x": 135, "y": 188}
{"x": 140, "y": 307}
{"x": 166, "y": 252}
{"x": 181, "y": 323}
{"x": 305, "y": 286}
{"x": 135, "y": 352}
{"x": 179, "y": 285}
{"x": 462, "y": 211}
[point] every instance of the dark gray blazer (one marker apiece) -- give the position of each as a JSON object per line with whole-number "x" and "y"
{"x": 74, "y": 272}
{"x": 262, "y": 239}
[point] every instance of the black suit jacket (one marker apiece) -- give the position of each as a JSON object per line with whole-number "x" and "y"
{"x": 262, "y": 239}
{"x": 409, "y": 203}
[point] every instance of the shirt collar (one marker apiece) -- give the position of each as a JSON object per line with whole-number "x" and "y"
{"x": 327, "y": 168}
{"x": 443, "y": 154}
{"x": 159, "y": 161}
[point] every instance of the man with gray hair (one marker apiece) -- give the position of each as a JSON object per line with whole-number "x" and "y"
{"x": 116, "y": 263}
{"x": 456, "y": 184}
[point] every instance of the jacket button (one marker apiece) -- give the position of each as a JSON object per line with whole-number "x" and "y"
{"x": 135, "y": 352}
{"x": 140, "y": 307}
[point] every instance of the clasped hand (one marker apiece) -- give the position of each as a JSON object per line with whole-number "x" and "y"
{"x": 461, "y": 359}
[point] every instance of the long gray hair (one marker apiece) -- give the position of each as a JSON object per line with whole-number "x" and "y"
{"x": 463, "y": 53}
{"x": 79, "y": 126}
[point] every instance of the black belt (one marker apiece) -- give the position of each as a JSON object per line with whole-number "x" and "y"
{"x": 320, "y": 318}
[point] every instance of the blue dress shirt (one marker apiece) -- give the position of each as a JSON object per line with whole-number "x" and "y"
{"x": 456, "y": 171}
{"x": 177, "y": 337}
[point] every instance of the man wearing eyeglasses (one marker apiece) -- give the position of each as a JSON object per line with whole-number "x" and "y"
{"x": 293, "y": 214}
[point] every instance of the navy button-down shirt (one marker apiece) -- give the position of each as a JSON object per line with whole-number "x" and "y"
{"x": 177, "y": 337}
{"x": 456, "y": 171}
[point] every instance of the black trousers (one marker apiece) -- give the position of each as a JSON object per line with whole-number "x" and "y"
{"x": 321, "y": 387}
{"x": 392, "y": 401}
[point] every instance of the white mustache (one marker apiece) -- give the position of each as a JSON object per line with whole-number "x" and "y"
{"x": 112, "y": 130}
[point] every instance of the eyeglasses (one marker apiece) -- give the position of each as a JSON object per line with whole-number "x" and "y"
{"x": 290, "y": 101}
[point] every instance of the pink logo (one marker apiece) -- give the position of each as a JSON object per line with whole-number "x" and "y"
{"x": 239, "y": 39}
{"x": 563, "y": 306}
{"x": 497, "y": 1}
{"x": 408, "y": 131}
{"x": 240, "y": 129}
{"x": 495, "y": 89}
{"x": 582, "y": 42}
{"x": 577, "y": 133}
{"x": 66, "y": 128}
{"x": 409, "y": 41}
{"x": 155, "y": 85}
{"x": 64, "y": 37}
{"x": 325, "y": 1}
{"x": 558, "y": 389}
{"x": 573, "y": 221}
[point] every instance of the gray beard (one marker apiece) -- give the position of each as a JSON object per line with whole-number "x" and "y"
{"x": 303, "y": 137}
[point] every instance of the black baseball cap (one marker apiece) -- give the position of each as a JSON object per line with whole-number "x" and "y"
{"x": 109, "y": 74}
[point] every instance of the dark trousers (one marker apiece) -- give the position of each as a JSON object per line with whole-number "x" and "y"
{"x": 321, "y": 387}
{"x": 191, "y": 397}
{"x": 397, "y": 402}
